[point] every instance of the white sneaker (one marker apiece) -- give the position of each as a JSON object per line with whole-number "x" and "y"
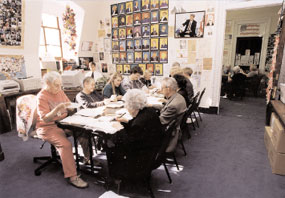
{"x": 78, "y": 182}
{"x": 225, "y": 96}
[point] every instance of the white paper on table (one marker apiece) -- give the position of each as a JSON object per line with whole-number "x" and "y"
{"x": 118, "y": 104}
{"x": 73, "y": 105}
{"x": 91, "y": 112}
{"x": 111, "y": 194}
{"x": 153, "y": 100}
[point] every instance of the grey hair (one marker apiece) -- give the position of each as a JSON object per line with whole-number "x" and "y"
{"x": 51, "y": 77}
{"x": 175, "y": 64}
{"x": 135, "y": 99}
{"x": 170, "y": 83}
{"x": 236, "y": 69}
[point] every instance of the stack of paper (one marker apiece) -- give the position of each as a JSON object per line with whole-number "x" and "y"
{"x": 153, "y": 100}
{"x": 91, "y": 112}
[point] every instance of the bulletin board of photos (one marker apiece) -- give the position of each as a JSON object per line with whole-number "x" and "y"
{"x": 140, "y": 35}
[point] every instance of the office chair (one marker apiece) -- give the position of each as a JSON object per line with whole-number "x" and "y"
{"x": 26, "y": 115}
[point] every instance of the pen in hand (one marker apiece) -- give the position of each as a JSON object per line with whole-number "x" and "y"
{"x": 121, "y": 115}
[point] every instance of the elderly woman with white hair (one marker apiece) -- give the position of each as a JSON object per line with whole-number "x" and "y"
{"x": 52, "y": 104}
{"x": 129, "y": 149}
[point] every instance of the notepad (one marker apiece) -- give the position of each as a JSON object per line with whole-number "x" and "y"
{"x": 91, "y": 112}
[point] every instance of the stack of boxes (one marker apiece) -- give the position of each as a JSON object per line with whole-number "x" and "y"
{"x": 274, "y": 139}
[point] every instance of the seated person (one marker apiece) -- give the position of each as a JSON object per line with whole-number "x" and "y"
{"x": 236, "y": 83}
{"x": 52, "y": 104}
{"x": 176, "y": 69}
{"x": 133, "y": 82}
{"x": 181, "y": 82}
{"x": 173, "y": 109}
{"x": 88, "y": 97}
{"x": 253, "y": 71}
{"x": 146, "y": 80}
{"x": 114, "y": 87}
{"x": 129, "y": 149}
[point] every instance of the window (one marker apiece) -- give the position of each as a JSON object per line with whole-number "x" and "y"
{"x": 50, "y": 39}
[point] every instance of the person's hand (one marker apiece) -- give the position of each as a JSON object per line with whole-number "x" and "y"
{"x": 119, "y": 97}
{"x": 113, "y": 98}
{"x": 120, "y": 119}
{"x": 62, "y": 106}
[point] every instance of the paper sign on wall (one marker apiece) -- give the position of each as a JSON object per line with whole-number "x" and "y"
{"x": 207, "y": 63}
{"x": 191, "y": 57}
{"x": 192, "y": 45}
{"x": 101, "y": 33}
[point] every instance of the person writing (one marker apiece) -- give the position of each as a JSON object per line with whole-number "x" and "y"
{"x": 114, "y": 87}
{"x": 52, "y": 104}
{"x": 129, "y": 149}
{"x": 88, "y": 97}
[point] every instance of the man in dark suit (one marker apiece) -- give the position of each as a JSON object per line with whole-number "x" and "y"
{"x": 145, "y": 32}
{"x": 190, "y": 27}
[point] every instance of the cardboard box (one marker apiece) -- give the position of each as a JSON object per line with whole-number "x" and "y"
{"x": 278, "y": 134}
{"x": 277, "y": 160}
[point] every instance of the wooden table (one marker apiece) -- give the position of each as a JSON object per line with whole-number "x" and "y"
{"x": 279, "y": 109}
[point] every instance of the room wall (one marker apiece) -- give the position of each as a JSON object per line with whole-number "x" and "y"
{"x": 32, "y": 23}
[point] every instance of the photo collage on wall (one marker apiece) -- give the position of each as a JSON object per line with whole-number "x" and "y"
{"x": 140, "y": 35}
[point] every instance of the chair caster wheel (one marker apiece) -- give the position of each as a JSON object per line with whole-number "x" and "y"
{"x": 38, "y": 173}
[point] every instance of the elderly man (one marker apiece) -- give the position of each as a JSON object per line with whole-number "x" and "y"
{"x": 133, "y": 82}
{"x": 174, "y": 108}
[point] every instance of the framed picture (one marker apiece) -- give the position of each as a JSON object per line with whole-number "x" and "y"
{"x": 154, "y": 44}
{"x": 138, "y": 57}
{"x": 86, "y": 46}
{"x": 127, "y": 69}
{"x": 13, "y": 66}
{"x": 210, "y": 18}
{"x": 137, "y": 5}
{"x": 129, "y": 20}
{"x": 145, "y": 5}
{"x": 154, "y": 4}
{"x": 114, "y": 22}
{"x": 119, "y": 68}
{"x": 104, "y": 67}
{"x": 122, "y": 8}
{"x": 133, "y": 65}
{"x": 163, "y": 29}
{"x": 138, "y": 45}
{"x": 115, "y": 34}
{"x": 101, "y": 56}
{"x": 154, "y": 56}
{"x": 163, "y": 44}
{"x": 189, "y": 24}
{"x": 158, "y": 69}
{"x": 115, "y": 57}
{"x": 142, "y": 66}
{"x": 145, "y": 31}
{"x": 129, "y": 7}
{"x": 146, "y": 57}
{"x": 84, "y": 62}
{"x": 107, "y": 44}
{"x": 122, "y": 20}
{"x": 137, "y": 32}
{"x": 130, "y": 57}
{"x": 145, "y": 44}
{"x": 154, "y": 17}
{"x": 122, "y": 33}
{"x": 163, "y": 56}
{"x": 114, "y": 9}
{"x": 129, "y": 32}
{"x": 145, "y": 17}
{"x": 154, "y": 30}
{"x": 123, "y": 45}
{"x": 137, "y": 18}
{"x": 150, "y": 67}
{"x": 130, "y": 45}
{"x": 123, "y": 57}
{"x": 163, "y": 16}
{"x": 163, "y": 4}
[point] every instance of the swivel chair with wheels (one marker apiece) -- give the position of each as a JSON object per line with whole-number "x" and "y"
{"x": 26, "y": 115}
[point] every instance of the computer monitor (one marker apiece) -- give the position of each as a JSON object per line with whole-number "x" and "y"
{"x": 71, "y": 79}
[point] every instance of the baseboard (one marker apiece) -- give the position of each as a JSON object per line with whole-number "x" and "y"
{"x": 210, "y": 110}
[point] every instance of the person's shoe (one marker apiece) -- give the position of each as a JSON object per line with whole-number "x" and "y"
{"x": 78, "y": 182}
{"x": 225, "y": 96}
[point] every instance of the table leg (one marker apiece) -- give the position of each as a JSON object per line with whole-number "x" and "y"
{"x": 91, "y": 152}
{"x": 76, "y": 150}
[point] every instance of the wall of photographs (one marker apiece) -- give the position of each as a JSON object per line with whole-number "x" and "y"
{"x": 140, "y": 35}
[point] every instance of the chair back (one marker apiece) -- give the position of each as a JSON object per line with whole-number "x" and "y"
{"x": 194, "y": 100}
{"x": 201, "y": 95}
{"x": 26, "y": 115}
{"x": 160, "y": 156}
{"x": 188, "y": 112}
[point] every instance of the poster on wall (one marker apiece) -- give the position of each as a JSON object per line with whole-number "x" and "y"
{"x": 12, "y": 67}
{"x": 189, "y": 24}
{"x": 86, "y": 46}
{"x": 11, "y": 24}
